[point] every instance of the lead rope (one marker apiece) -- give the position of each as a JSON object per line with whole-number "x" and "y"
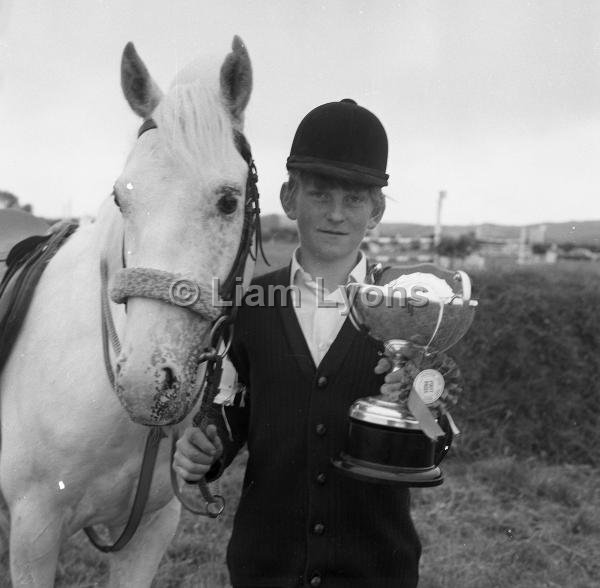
{"x": 155, "y": 435}
{"x": 153, "y": 439}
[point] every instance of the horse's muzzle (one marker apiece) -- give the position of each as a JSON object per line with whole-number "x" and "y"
{"x": 155, "y": 396}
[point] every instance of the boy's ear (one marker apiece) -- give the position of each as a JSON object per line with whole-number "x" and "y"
{"x": 377, "y": 212}
{"x": 288, "y": 201}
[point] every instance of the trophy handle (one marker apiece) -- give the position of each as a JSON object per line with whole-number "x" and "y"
{"x": 352, "y": 315}
{"x": 437, "y": 326}
{"x": 465, "y": 281}
{"x": 355, "y": 320}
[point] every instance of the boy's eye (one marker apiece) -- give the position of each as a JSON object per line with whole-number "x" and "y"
{"x": 355, "y": 199}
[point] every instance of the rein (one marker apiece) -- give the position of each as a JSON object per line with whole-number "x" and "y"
{"x": 158, "y": 284}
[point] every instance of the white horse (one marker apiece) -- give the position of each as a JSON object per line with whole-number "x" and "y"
{"x": 70, "y": 452}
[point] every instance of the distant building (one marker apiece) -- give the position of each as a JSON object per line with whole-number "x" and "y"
{"x": 551, "y": 255}
{"x": 580, "y": 254}
{"x": 499, "y": 247}
{"x": 536, "y": 234}
{"x": 495, "y": 246}
{"x": 398, "y": 250}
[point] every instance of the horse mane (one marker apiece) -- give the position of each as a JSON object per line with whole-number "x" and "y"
{"x": 193, "y": 121}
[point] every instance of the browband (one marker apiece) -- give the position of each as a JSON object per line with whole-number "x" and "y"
{"x": 146, "y": 126}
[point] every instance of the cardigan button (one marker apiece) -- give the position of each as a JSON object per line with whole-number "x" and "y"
{"x": 322, "y": 382}
{"x": 315, "y": 581}
{"x": 321, "y": 478}
{"x": 318, "y": 528}
{"x": 320, "y": 429}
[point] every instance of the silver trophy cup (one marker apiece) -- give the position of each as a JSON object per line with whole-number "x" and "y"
{"x": 401, "y": 438}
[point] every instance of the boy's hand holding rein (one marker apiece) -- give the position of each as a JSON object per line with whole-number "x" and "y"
{"x": 196, "y": 452}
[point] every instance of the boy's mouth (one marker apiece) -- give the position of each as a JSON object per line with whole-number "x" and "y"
{"x": 331, "y": 232}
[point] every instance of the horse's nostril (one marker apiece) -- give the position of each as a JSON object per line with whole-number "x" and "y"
{"x": 169, "y": 380}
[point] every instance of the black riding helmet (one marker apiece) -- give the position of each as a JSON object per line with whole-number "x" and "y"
{"x": 342, "y": 140}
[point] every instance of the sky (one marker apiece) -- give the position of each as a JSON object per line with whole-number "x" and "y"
{"x": 496, "y": 102}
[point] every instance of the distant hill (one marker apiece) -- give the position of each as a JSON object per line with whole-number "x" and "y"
{"x": 576, "y": 232}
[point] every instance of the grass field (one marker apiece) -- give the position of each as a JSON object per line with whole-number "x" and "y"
{"x": 495, "y": 523}
{"x": 520, "y": 506}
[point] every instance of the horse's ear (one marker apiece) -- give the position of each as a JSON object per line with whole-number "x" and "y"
{"x": 141, "y": 91}
{"x": 236, "y": 79}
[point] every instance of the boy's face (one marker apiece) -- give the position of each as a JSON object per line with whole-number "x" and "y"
{"x": 332, "y": 220}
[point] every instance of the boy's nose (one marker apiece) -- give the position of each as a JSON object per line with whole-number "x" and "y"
{"x": 335, "y": 212}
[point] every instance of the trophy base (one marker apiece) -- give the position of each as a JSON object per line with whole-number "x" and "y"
{"x": 384, "y": 454}
{"x": 367, "y": 471}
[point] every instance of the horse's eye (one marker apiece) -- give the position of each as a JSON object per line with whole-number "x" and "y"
{"x": 227, "y": 204}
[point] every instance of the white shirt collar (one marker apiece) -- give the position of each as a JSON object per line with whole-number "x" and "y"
{"x": 357, "y": 274}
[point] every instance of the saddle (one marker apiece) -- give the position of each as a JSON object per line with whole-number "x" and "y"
{"x": 25, "y": 263}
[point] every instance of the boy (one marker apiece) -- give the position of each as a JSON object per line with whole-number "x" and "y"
{"x": 299, "y": 522}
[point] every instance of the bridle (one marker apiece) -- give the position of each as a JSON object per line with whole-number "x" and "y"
{"x": 126, "y": 282}
{"x": 157, "y": 284}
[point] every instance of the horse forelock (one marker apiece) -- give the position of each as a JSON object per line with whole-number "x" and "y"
{"x": 195, "y": 126}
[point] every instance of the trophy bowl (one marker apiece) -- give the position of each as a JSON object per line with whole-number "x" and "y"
{"x": 419, "y": 312}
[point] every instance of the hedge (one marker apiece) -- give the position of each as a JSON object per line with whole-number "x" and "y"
{"x": 531, "y": 366}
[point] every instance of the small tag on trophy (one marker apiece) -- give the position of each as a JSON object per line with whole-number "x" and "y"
{"x": 423, "y": 415}
{"x": 429, "y": 384}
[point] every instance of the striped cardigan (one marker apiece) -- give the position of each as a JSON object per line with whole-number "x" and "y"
{"x": 299, "y": 521}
